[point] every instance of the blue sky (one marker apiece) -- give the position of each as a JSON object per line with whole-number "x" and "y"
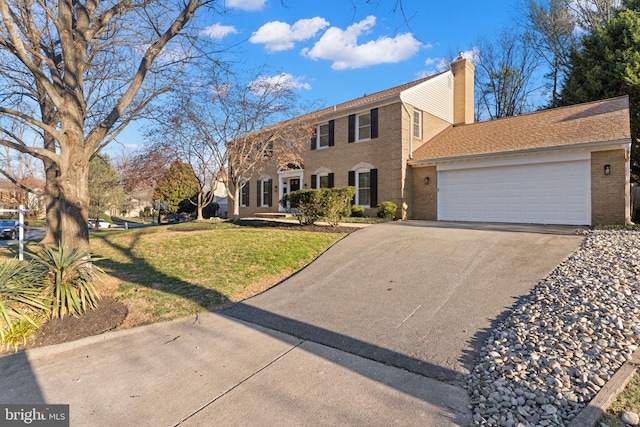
{"x": 337, "y": 50}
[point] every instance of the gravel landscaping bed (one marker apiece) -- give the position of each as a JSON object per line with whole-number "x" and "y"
{"x": 545, "y": 362}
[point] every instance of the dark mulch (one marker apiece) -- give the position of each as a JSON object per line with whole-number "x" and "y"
{"x": 295, "y": 226}
{"x": 109, "y": 314}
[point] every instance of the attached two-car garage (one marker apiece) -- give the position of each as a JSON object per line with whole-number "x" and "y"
{"x": 567, "y": 166}
{"x": 556, "y": 192}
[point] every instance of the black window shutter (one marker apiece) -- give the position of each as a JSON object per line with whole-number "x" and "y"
{"x": 332, "y": 126}
{"x": 314, "y": 138}
{"x": 352, "y": 128}
{"x": 331, "y": 180}
{"x": 269, "y": 184}
{"x": 313, "y": 181}
{"x": 352, "y": 183}
{"x": 259, "y": 194}
{"x": 374, "y": 123}
{"x": 373, "y": 174}
{"x": 246, "y": 199}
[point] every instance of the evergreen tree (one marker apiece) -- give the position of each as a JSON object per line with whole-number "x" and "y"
{"x": 608, "y": 65}
{"x": 176, "y": 185}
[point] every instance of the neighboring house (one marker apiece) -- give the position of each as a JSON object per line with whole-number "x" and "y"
{"x": 416, "y": 145}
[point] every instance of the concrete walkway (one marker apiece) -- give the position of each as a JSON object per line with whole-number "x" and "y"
{"x": 380, "y": 330}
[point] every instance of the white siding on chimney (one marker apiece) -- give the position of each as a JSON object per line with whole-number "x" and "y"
{"x": 435, "y": 96}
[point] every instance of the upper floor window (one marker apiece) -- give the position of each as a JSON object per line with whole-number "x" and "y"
{"x": 417, "y": 124}
{"x": 268, "y": 150}
{"x": 323, "y": 136}
{"x": 363, "y": 126}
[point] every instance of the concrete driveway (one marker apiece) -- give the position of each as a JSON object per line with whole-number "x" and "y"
{"x": 379, "y": 330}
{"x": 417, "y": 295}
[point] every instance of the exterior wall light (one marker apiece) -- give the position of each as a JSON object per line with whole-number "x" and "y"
{"x": 607, "y": 169}
{"x": 427, "y": 180}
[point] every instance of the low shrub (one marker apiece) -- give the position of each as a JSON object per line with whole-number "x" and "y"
{"x": 306, "y": 203}
{"x": 357, "y": 211}
{"x": 22, "y": 298}
{"x": 335, "y": 201}
{"x": 327, "y": 203}
{"x": 211, "y": 210}
{"x": 387, "y": 210}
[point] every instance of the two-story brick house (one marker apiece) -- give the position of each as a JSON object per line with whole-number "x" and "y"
{"x": 416, "y": 145}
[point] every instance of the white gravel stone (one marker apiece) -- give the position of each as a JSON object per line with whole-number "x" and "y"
{"x": 546, "y": 361}
{"x": 630, "y": 418}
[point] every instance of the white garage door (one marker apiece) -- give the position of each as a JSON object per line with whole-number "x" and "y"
{"x": 546, "y": 193}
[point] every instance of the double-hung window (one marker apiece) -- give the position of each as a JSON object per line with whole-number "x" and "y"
{"x": 363, "y": 184}
{"x": 363, "y": 125}
{"x": 322, "y": 179}
{"x": 265, "y": 192}
{"x": 366, "y": 183}
{"x": 323, "y": 136}
{"x": 417, "y": 124}
{"x": 244, "y": 194}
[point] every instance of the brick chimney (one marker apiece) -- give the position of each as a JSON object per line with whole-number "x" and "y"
{"x": 463, "y": 101}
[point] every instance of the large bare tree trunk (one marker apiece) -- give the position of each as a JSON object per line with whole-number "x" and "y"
{"x": 236, "y": 203}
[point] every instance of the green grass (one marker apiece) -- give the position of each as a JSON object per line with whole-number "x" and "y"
{"x": 628, "y": 400}
{"x": 175, "y": 270}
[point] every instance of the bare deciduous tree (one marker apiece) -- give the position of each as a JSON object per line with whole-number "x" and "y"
{"x": 227, "y": 130}
{"x": 592, "y": 14}
{"x": 75, "y": 73}
{"x": 551, "y": 33}
{"x": 505, "y": 75}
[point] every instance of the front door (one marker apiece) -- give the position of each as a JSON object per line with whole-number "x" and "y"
{"x": 289, "y": 185}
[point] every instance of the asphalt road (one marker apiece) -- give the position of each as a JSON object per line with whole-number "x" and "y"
{"x": 30, "y": 234}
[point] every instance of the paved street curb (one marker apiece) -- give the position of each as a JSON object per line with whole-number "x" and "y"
{"x": 590, "y": 414}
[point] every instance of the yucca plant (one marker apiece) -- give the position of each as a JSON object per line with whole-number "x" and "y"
{"x": 22, "y": 299}
{"x": 69, "y": 279}
{"x": 23, "y": 329}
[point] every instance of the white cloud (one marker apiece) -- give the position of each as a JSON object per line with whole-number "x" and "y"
{"x": 278, "y": 36}
{"x": 248, "y": 5}
{"x": 443, "y": 64}
{"x": 278, "y": 83}
{"x": 341, "y": 47}
{"x": 218, "y": 31}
